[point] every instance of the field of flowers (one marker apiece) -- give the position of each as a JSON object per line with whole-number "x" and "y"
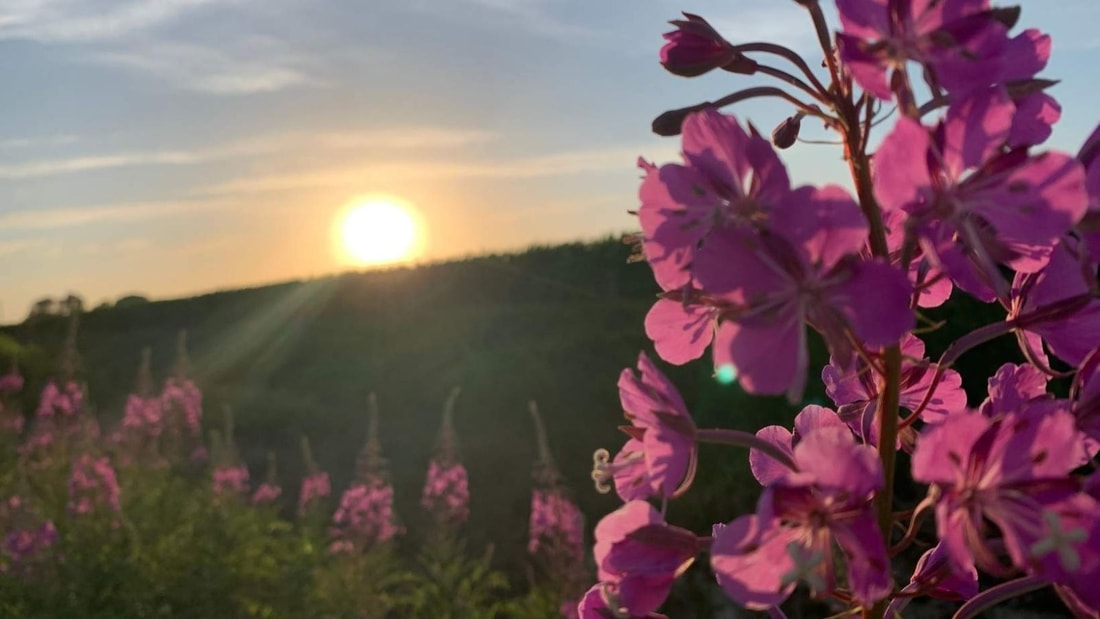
{"x": 160, "y": 517}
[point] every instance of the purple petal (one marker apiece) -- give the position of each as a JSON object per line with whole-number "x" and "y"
{"x": 867, "y": 67}
{"x": 868, "y": 566}
{"x": 832, "y": 458}
{"x": 1034, "y": 120}
{"x": 824, "y": 222}
{"x": 900, "y": 168}
{"x": 680, "y": 332}
{"x": 875, "y": 300}
{"x": 765, "y": 468}
{"x": 750, "y": 559}
{"x": 769, "y": 356}
{"x": 974, "y": 129}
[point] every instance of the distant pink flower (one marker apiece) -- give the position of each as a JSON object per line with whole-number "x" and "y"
{"x": 61, "y": 402}
{"x": 231, "y": 480}
{"x": 24, "y": 545}
{"x": 315, "y": 487}
{"x": 855, "y": 389}
{"x": 182, "y": 405}
{"x": 11, "y": 383}
{"x": 93, "y": 486}
{"x": 659, "y": 459}
{"x": 446, "y": 492}
{"x": 556, "y": 524}
{"x": 365, "y": 516}
{"x": 759, "y": 558}
{"x": 695, "y": 48}
{"x": 959, "y": 42}
{"x": 638, "y": 556}
{"x": 266, "y": 493}
{"x": 971, "y": 206}
{"x": 143, "y": 416}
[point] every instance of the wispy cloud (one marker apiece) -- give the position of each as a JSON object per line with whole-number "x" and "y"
{"x": 35, "y": 142}
{"x": 247, "y": 66}
{"x": 86, "y": 20}
{"x": 372, "y": 170}
{"x": 531, "y": 16}
{"x": 411, "y": 138}
{"x": 47, "y": 219}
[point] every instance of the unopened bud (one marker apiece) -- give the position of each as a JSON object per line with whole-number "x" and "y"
{"x": 1007, "y": 15}
{"x": 671, "y": 122}
{"x": 695, "y": 48}
{"x": 786, "y": 133}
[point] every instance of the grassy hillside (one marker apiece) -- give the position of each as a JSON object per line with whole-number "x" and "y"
{"x": 552, "y": 324}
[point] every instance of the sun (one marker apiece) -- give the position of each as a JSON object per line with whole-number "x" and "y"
{"x": 379, "y": 231}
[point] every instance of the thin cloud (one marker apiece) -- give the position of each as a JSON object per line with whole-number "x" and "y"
{"x": 87, "y": 20}
{"x": 255, "y": 65}
{"x": 412, "y": 138}
{"x": 49, "y": 219}
{"x": 36, "y": 142}
{"x": 367, "y": 170}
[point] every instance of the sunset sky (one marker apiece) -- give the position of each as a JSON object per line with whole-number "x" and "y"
{"x": 168, "y": 147}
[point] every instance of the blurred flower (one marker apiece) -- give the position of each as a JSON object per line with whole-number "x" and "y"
{"x": 93, "y": 486}
{"x": 231, "y": 480}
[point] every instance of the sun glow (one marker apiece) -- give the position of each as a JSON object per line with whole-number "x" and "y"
{"x": 379, "y": 231}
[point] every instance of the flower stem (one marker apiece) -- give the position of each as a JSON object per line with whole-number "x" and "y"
{"x": 737, "y": 438}
{"x": 995, "y": 595}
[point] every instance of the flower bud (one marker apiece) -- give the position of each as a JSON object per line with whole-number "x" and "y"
{"x": 695, "y": 48}
{"x": 670, "y": 123}
{"x": 785, "y": 134}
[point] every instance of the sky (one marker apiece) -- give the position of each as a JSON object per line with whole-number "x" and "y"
{"x": 171, "y": 147}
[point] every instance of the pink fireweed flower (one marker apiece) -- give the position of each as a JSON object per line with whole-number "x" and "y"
{"x": 1089, "y": 228}
{"x": 1036, "y": 112}
{"x": 760, "y": 558}
{"x": 556, "y": 524}
{"x": 1067, "y": 551}
{"x": 775, "y": 285}
{"x": 24, "y": 545}
{"x": 365, "y": 516}
{"x": 729, "y": 178}
{"x": 1006, "y": 471}
{"x": 972, "y": 206}
{"x": 93, "y": 486}
{"x": 231, "y": 480}
{"x": 695, "y": 48}
{"x": 594, "y": 606}
{"x": 659, "y": 459}
{"x": 1066, "y": 281}
{"x": 60, "y": 402}
{"x": 960, "y": 43}
{"x": 766, "y": 469}
{"x": 639, "y": 556}
{"x": 266, "y": 493}
{"x": 143, "y": 416}
{"x": 937, "y": 577}
{"x": 855, "y": 389}
{"x": 11, "y": 383}
{"x": 446, "y": 492}
{"x": 181, "y": 402}
{"x": 315, "y": 488}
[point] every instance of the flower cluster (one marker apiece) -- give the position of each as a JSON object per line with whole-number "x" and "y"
{"x": 231, "y": 480}
{"x": 555, "y": 521}
{"x": 11, "y": 417}
{"x": 365, "y": 517}
{"x": 143, "y": 416}
{"x": 22, "y": 546}
{"x": 958, "y": 197}
{"x": 181, "y": 402}
{"x": 265, "y": 494}
{"x": 315, "y": 487}
{"x": 93, "y": 486}
{"x": 447, "y": 492}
